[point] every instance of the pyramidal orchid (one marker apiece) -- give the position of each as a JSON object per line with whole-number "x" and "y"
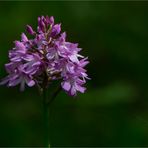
{"x": 44, "y": 58}
{"x": 46, "y": 54}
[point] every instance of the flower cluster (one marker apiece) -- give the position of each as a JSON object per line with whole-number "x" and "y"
{"x": 45, "y": 58}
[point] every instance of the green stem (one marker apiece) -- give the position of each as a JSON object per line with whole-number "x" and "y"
{"x": 45, "y": 119}
{"x": 54, "y": 95}
{"x": 46, "y": 104}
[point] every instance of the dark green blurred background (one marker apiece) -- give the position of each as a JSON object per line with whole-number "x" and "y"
{"x": 114, "y": 109}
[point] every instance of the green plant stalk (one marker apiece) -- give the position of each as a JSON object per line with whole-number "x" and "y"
{"x": 46, "y": 118}
{"x": 46, "y": 104}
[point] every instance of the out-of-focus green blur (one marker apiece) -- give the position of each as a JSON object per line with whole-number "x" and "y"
{"x": 114, "y": 109}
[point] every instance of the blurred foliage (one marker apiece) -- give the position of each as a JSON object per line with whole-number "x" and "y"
{"x": 114, "y": 109}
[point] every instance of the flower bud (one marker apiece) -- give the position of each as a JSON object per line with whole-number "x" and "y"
{"x": 56, "y": 30}
{"x": 30, "y": 30}
{"x": 50, "y": 20}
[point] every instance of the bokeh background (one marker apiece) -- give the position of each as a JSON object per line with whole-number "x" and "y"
{"x": 114, "y": 109}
